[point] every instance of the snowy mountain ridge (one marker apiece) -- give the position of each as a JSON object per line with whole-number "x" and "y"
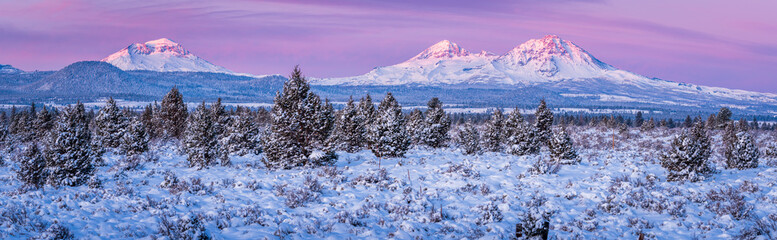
{"x": 161, "y": 55}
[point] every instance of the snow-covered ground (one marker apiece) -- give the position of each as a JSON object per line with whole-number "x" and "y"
{"x": 617, "y": 191}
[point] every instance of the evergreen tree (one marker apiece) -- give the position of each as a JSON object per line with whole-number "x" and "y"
{"x": 688, "y": 156}
{"x": 109, "y": 125}
{"x": 44, "y": 122}
{"x": 712, "y": 122}
{"x": 135, "y": 140}
{"x": 739, "y": 148}
{"x": 349, "y": 132}
{"x": 242, "y": 136}
{"x": 543, "y": 122}
{"x": 521, "y": 138}
{"x": 387, "y": 136}
{"x": 296, "y": 130}
{"x": 70, "y": 156}
{"x": 561, "y": 148}
{"x": 648, "y": 125}
{"x": 32, "y": 167}
{"x": 200, "y": 141}
{"x": 221, "y": 121}
{"x": 172, "y": 115}
{"x": 435, "y": 133}
{"x": 724, "y": 116}
{"x": 493, "y": 136}
{"x": 638, "y": 119}
{"x": 468, "y": 139}
{"x": 416, "y": 127}
{"x": 149, "y": 121}
{"x": 366, "y": 113}
{"x": 688, "y": 122}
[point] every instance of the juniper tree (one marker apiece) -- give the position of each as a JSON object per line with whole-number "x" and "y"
{"x": 242, "y": 135}
{"x": 70, "y": 155}
{"x": 688, "y": 121}
{"x": 200, "y": 141}
{"x": 521, "y": 138}
{"x": 172, "y": 114}
{"x": 561, "y": 148}
{"x": 648, "y": 125}
{"x": 416, "y": 126}
{"x": 468, "y": 139}
{"x": 147, "y": 117}
{"x": 739, "y": 148}
{"x": 44, "y": 122}
{"x": 724, "y": 116}
{"x": 543, "y": 122}
{"x": 638, "y": 119}
{"x": 110, "y": 124}
{"x": 295, "y": 133}
{"x": 135, "y": 140}
{"x": 492, "y": 134}
{"x": 387, "y": 136}
{"x": 221, "y": 120}
{"x": 688, "y": 155}
{"x": 437, "y": 125}
{"x": 366, "y": 113}
{"x": 32, "y": 167}
{"x": 349, "y": 133}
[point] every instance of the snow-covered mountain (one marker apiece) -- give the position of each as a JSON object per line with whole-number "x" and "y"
{"x": 161, "y": 55}
{"x": 9, "y": 69}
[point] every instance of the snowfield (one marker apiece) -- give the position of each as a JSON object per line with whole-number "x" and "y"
{"x": 617, "y": 191}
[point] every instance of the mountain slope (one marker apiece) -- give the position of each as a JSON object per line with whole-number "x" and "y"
{"x": 162, "y": 55}
{"x": 8, "y": 69}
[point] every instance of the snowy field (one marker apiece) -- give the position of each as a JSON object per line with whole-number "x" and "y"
{"x": 617, "y": 191}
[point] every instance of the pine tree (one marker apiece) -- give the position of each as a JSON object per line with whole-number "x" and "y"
{"x": 135, "y": 140}
{"x": 435, "y": 133}
{"x": 110, "y": 124}
{"x": 70, "y": 156}
{"x": 221, "y": 121}
{"x": 172, "y": 115}
{"x": 242, "y": 135}
{"x": 149, "y": 121}
{"x": 521, "y": 138}
{"x": 366, "y": 113}
{"x": 349, "y": 132}
{"x": 468, "y": 139}
{"x": 493, "y": 136}
{"x": 648, "y": 125}
{"x": 32, "y": 167}
{"x": 688, "y": 122}
{"x": 638, "y": 119}
{"x": 561, "y": 148}
{"x": 723, "y": 117}
{"x": 297, "y": 131}
{"x": 416, "y": 126}
{"x": 44, "y": 122}
{"x": 387, "y": 136}
{"x": 739, "y": 148}
{"x": 688, "y": 156}
{"x": 543, "y": 122}
{"x": 200, "y": 141}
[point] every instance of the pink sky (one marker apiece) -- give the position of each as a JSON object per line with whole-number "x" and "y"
{"x": 711, "y": 42}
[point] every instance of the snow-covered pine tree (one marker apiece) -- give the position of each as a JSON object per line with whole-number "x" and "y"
{"x": 323, "y": 122}
{"x": 468, "y": 139}
{"x": 739, "y": 148}
{"x": 723, "y": 117}
{"x": 688, "y": 123}
{"x": 221, "y": 120}
{"x": 172, "y": 115}
{"x": 387, "y": 136}
{"x": 295, "y": 132}
{"x": 543, "y": 122}
{"x": 493, "y": 135}
{"x": 416, "y": 127}
{"x": 32, "y": 167}
{"x": 688, "y": 155}
{"x": 648, "y": 125}
{"x": 638, "y": 119}
{"x": 349, "y": 132}
{"x": 109, "y": 125}
{"x": 148, "y": 119}
{"x": 70, "y": 156}
{"x": 561, "y": 148}
{"x": 200, "y": 141}
{"x": 437, "y": 125}
{"x": 135, "y": 140}
{"x": 242, "y": 135}
{"x": 366, "y": 114}
{"x": 44, "y": 122}
{"x": 521, "y": 138}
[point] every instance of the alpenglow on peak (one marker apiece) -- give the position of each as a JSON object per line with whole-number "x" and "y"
{"x": 442, "y": 49}
{"x": 162, "y": 55}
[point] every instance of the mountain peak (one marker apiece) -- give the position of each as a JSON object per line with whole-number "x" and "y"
{"x": 163, "y": 55}
{"x": 442, "y": 49}
{"x": 551, "y": 55}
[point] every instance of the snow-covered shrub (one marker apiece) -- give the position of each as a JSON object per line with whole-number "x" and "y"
{"x": 561, "y": 149}
{"x": 465, "y": 169}
{"x": 771, "y": 150}
{"x": 535, "y": 220}
{"x": 765, "y": 227}
{"x": 298, "y": 196}
{"x": 545, "y": 166}
{"x": 172, "y": 183}
{"x": 741, "y": 152}
{"x": 32, "y": 167}
{"x": 488, "y": 213}
{"x": 387, "y": 136}
{"x": 378, "y": 178}
{"x": 197, "y": 187}
{"x": 188, "y": 227}
{"x": 468, "y": 139}
{"x": 55, "y": 232}
{"x": 729, "y": 201}
{"x": 521, "y": 138}
{"x": 688, "y": 156}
